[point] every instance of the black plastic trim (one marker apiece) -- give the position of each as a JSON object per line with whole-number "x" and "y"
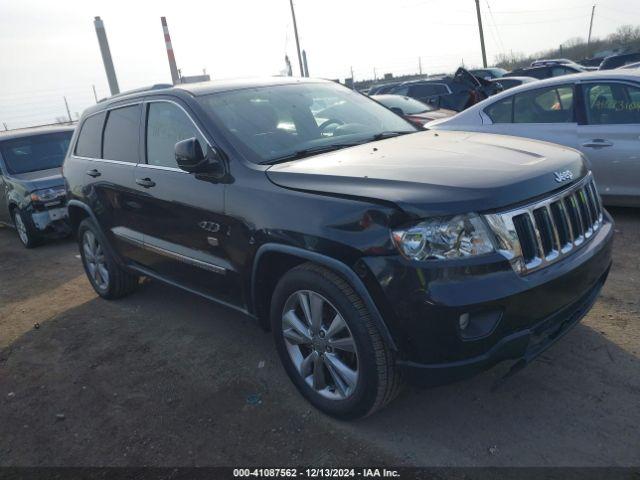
{"x": 333, "y": 264}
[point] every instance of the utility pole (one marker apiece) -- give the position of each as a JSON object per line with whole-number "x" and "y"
{"x": 304, "y": 63}
{"x": 420, "y": 65}
{"x": 484, "y": 53}
{"x": 106, "y": 55}
{"x": 295, "y": 31}
{"x": 353, "y": 82}
{"x": 175, "y": 75}
{"x": 67, "y": 107}
{"x": 95, "y": 95}
{"x": 375, "y": 74}
{"x": 593, "y": 11}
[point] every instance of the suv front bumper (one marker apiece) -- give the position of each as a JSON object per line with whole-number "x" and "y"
{"x": 51, "y": 221}
{"x": 422, "y": 305}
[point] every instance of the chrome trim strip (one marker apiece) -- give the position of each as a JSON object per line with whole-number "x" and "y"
{"x": 160, "y": 167}
{"x": 509, "y": 243}
{"x": 135, "y": 238}
{"x": 184, "y": 259}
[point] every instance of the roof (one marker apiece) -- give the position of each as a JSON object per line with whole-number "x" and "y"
{"x": 31, "y": 131}
{"x": 201, "y": 88}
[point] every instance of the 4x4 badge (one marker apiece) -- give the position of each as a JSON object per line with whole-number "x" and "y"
{"x": 563, "y": 176}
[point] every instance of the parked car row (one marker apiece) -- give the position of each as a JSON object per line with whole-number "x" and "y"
{"x": 376, "y": 251}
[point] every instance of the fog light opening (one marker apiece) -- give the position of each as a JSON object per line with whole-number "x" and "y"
{"x": 463, "y": 321}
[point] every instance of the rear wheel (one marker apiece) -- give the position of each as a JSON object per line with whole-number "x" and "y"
{"x": 26, "y": 231}
{"x": 107, "y": 278}
{"x": 329, "y": 345}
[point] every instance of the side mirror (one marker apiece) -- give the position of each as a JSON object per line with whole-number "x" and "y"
{"x": 191, "y": 158}
{"x": 397, "y": 111}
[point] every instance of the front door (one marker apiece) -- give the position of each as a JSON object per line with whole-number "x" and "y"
{"x": 181, "y": 216}
{"x": 4, "y": 191}
{"x": 610, "y": 139}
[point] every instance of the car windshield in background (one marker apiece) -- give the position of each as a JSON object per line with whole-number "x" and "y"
{"x": 408, "y": 105}
{"x": 38, "y": 152}
{"x": 273, "y": 123}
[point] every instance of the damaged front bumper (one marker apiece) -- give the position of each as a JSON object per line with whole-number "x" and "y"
{"x": 51, "y": 221}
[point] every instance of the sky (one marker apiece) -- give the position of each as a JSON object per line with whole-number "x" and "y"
{"x": 49, "y": 50}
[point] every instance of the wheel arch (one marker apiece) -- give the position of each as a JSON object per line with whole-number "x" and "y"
{"x": 274, "y": 260}
{"x": 78, "y": 211}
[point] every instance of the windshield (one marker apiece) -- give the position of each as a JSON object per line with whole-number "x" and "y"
{"x": 38, "y": 152}
{"x": 409, "y": 106}
{"x": 276, "y": 122}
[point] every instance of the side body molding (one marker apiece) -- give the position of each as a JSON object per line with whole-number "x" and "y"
{"x": 332, "y": 264}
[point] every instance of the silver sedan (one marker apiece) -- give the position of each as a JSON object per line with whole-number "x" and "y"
{"x": 597, "y": 113}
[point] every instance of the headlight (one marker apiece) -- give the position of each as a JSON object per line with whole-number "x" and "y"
{"x": 48, "y": 194}
{"x": 441, "y": 238}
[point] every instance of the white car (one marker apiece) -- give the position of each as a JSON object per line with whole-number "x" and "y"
{"x": 597, "y": 113}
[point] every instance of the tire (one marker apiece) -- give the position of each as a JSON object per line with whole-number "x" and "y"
{"x": 107, "y": 278}
{"x": 26, "y": 230}
{"x": 376, "y": 381}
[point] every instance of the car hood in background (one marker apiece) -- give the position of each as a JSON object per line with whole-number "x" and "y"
{"x": 39, "y": 179}
{"x": 437, "y": 173}
{"x": 435, "y": 114}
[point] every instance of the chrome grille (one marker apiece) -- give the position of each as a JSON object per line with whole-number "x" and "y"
{"x": 536, "y": 235}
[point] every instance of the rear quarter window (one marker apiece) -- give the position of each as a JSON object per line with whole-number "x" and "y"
{"x": 89, "y": 142}
{"x": 501, "y": 112}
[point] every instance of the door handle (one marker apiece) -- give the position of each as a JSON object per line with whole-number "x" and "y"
{"x": 598, "y": 142}
{"x": 93, "y": 173}
{"x": 145, "y": 182}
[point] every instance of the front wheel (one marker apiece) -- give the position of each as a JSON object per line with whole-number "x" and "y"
{"x": 26, "y": 231}
{"x": 330, "y": 347}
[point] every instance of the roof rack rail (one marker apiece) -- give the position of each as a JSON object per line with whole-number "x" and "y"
{"x": 157, "y": 86}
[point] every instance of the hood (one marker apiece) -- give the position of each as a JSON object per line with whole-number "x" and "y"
{"x": 437, "y": 173}
{"x": 39, "y": 179}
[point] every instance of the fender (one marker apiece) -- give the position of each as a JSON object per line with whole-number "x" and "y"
{"x": 332, "y": 264}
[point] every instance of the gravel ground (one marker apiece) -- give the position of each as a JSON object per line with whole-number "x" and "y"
{"x": 166, "y": 378}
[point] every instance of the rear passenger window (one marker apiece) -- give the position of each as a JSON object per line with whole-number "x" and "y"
{"x": 167, "y": 124}
{"x": 549, "y": 105}
{"x": 90, "y": 137}
{"x": 121, "y": 134}
{"x": 500, "y": 112}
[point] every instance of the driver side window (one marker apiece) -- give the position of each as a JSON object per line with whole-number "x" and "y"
{"x": 167, "y": 124}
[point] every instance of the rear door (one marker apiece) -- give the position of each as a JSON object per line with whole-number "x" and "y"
{"x": 109, "y": 142}
{"x": 182, "y": 216}
{"x": 610, "y": 137}
{"x": 544, "y": 113}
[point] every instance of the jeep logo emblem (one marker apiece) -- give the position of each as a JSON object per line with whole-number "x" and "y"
{"x": 563, "y": 176}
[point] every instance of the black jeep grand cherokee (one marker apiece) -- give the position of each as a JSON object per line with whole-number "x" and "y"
{"x": 375, "y": 252}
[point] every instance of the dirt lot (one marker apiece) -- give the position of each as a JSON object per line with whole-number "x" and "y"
{"x": 166, "y": 378}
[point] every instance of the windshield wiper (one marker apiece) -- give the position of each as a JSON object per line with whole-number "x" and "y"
{"x": 389, "y": 134}
{"x": 307, "y": 152}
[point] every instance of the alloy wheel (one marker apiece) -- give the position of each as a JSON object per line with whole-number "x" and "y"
{"x": 320, "y": 344}
{"x": 95, "y": 260}
{"x": 22, "y": 229}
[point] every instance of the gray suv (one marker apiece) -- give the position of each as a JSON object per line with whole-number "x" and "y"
{"x": 32, "y": 194}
